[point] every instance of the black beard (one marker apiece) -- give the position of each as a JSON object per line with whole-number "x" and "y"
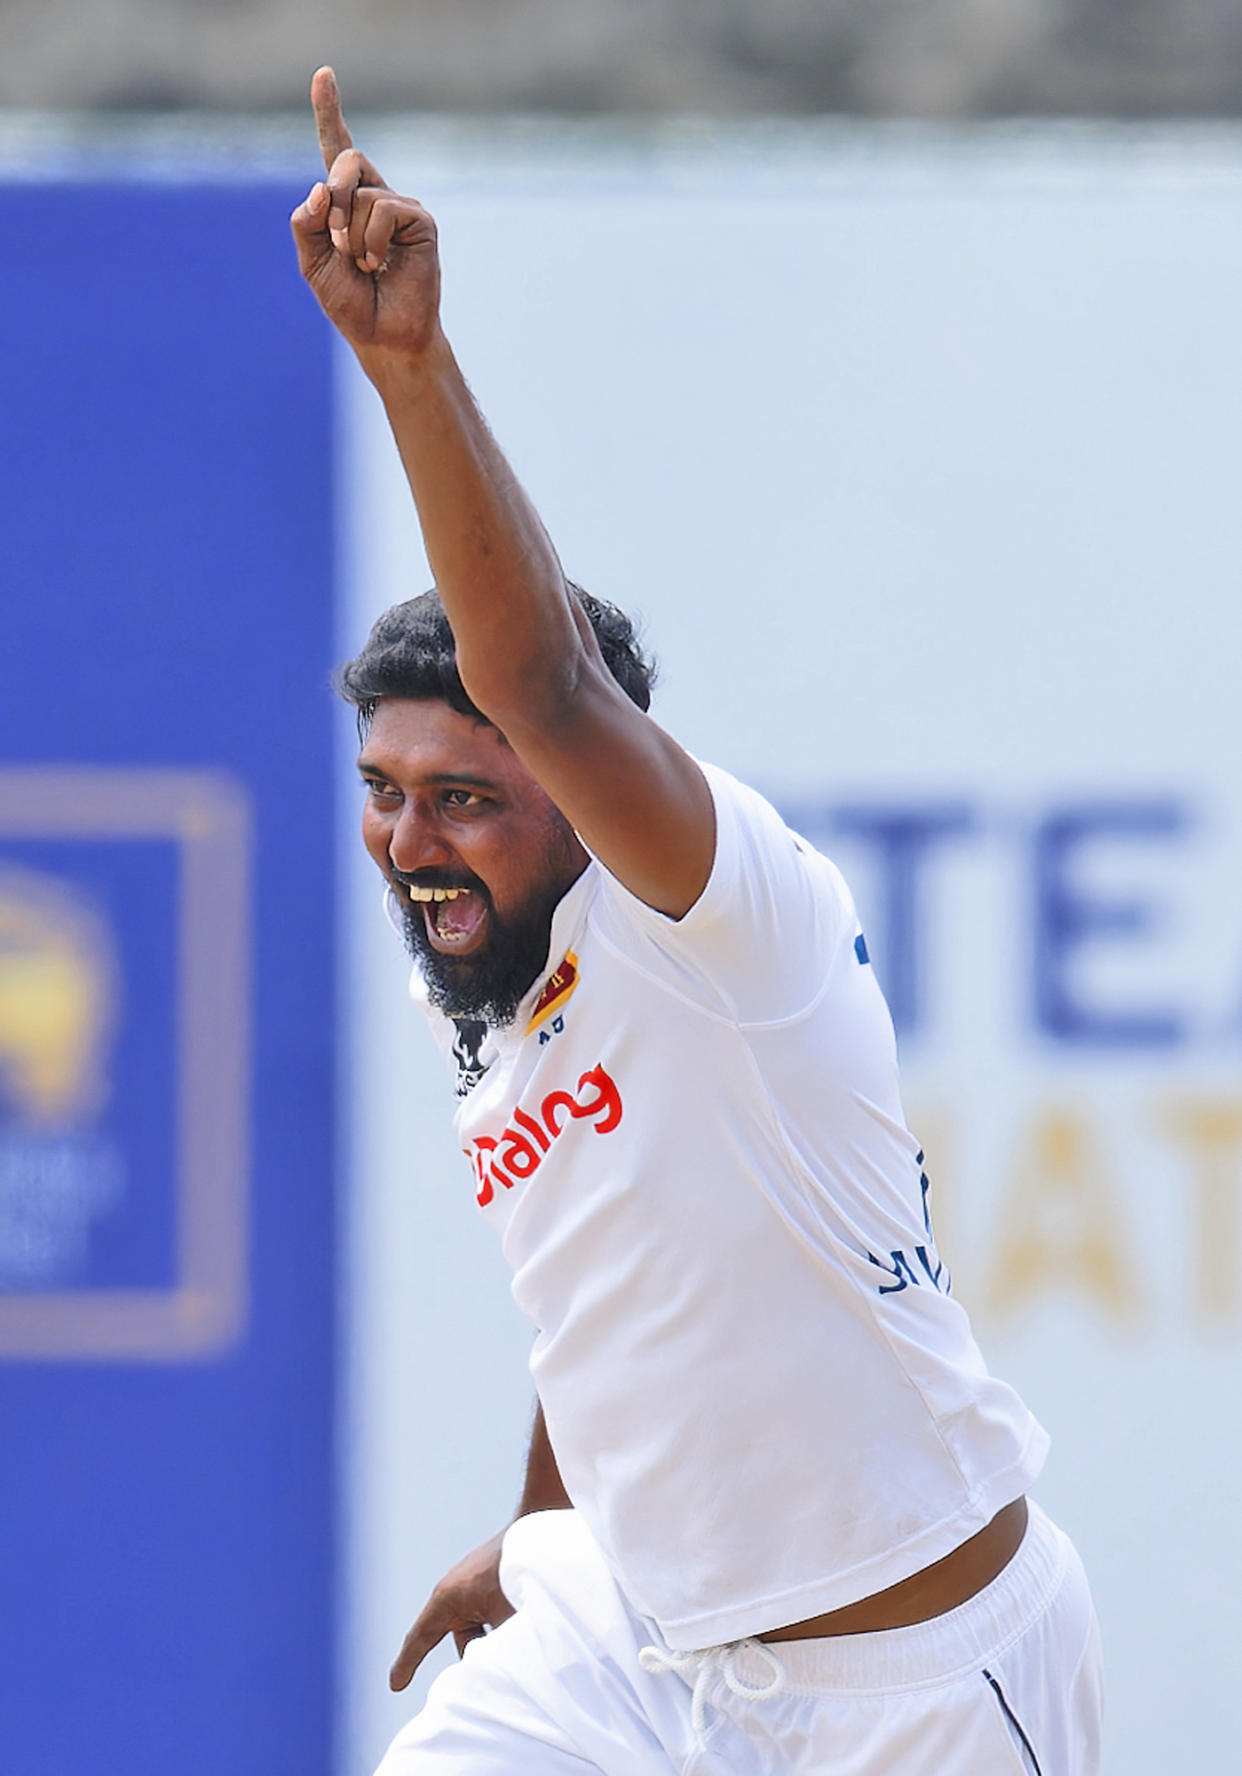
{"x": 491, "y": 983}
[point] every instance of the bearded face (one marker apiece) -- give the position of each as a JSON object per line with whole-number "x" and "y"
{"x": 488, "y": 980}
{"x": 475, "y": 852}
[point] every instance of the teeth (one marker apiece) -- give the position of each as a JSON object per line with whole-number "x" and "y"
{"x": 422, "y": 894}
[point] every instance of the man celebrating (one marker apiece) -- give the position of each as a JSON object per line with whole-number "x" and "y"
{"x": 775, "y": 1514}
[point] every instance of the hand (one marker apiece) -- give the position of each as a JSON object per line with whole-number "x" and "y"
{"x": 467, "y": 1600}
{"x": 369, "y": 255}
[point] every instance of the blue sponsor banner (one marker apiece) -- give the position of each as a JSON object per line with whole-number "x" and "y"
{"x": 166, "y": 1139}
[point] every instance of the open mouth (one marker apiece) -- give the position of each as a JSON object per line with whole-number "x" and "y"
{"x": 456, "y": 918}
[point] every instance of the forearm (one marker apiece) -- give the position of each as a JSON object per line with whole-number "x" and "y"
{"x": 372, "y": 259}
{"x": 544, "y": 1489}
{"x": 493, "y": 563}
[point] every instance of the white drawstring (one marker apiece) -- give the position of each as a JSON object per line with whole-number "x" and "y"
{"x": 703, "y": 1664}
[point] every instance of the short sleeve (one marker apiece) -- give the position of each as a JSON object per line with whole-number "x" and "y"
{"x": 760, "y": 942}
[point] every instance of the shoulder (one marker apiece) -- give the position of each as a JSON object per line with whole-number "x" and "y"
{"x": 767, "y": 924}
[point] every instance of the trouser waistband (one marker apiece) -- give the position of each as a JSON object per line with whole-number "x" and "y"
{"x": 929, "y": 1652}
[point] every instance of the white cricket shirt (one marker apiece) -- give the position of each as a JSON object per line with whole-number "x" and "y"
{"x": 760, "y": 1393}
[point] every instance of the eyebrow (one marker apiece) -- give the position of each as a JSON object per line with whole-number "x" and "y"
{"x": 439, "y": 780}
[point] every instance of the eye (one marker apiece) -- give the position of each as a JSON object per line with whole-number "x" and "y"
{"x": 379, "y": 790}
{"x": 462, "y": 798}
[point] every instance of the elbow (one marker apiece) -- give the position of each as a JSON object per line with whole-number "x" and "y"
{"x": 534, "y": 686}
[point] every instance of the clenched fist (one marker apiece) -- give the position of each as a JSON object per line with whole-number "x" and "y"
{"x": 368, "y": 254}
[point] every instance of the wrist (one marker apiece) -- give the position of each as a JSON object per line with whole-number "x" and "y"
{"x": 404, "y": 370}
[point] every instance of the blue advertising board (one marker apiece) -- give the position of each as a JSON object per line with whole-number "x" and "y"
{"x": 166, "y": 1016}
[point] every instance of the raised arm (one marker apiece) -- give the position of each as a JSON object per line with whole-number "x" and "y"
{"x": 525, "y": 653}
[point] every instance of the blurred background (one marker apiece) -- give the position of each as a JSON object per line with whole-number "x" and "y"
{"x": 886, "y": 359}
{"x": 945, "y": 58}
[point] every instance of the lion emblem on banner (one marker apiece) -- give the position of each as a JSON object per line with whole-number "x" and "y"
{"x": 58, "y": 998}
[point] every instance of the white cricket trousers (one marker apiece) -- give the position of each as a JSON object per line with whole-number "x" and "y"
{"x": 578, "y": 1684}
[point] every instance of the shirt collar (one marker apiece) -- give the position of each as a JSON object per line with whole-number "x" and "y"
{"x": 567, "y": 924}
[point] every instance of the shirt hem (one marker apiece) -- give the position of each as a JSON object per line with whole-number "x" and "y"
{"x": 688, "y": 1634}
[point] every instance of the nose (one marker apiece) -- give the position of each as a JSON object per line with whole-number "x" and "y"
{"x": 417, "y": 841}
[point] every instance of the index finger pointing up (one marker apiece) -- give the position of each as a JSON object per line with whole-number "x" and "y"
{"x": 334, "y": 138}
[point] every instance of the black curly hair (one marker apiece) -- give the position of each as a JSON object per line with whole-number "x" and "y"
{"x": 410, "y": 652}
